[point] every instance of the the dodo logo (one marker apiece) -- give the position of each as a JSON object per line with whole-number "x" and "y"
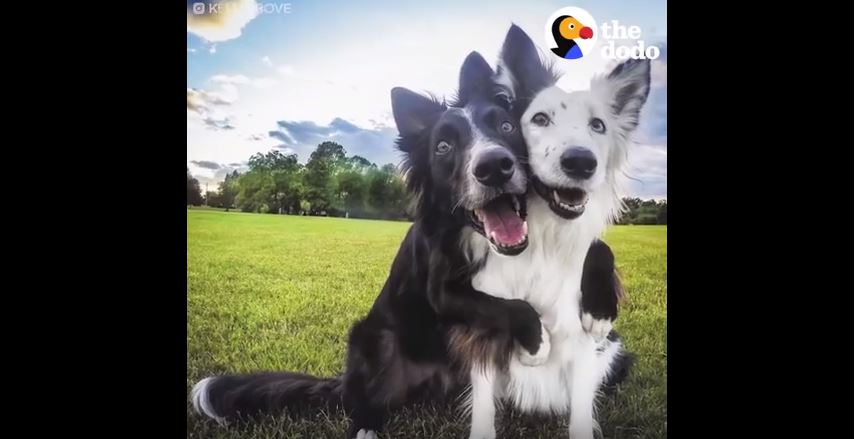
{"x": 571, "y": 33}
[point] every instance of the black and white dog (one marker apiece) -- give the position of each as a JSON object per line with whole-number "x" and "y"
{"x": 577, "y": 143}
{"x": 464, "y": 165}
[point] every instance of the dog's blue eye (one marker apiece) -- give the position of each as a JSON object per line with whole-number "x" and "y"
{"x": 507, "y": 127}
{"x": 597, "y": 125}
{"x": 443, "y": 147}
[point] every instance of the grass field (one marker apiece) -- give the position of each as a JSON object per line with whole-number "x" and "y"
{"x": 267, "y": 292}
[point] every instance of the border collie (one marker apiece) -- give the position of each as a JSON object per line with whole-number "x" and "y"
{"x": 576, "y": 145}
{"x": 462, "y": 166}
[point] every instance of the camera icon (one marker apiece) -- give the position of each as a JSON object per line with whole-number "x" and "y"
{"x": 199, "y": 8}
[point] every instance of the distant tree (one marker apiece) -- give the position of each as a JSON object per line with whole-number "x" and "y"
{"x": 213, "y": 199}
{"x": 228, "y": 189}
{"x": 645, "y": 219}
{"x": 194, "y": 193}
{"x": 328, "y": 152}
{"x": 256, "y": 189}
{"x": 271, "y": 184}
{"x": 330, "y": 183}
{"x": 352, "y": 191}
{"x": 661, "y": 213}
{"x": 387, "y": 192}
{"x": 360, "y": 162}
{"x": 319, "y": 179}
{"x": 643, "y": 212}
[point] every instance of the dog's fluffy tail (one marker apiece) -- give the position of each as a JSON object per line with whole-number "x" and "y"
{"x": 616, "y": 361}
{"x": 621, "y": 366}
{"x": 227, "y": 397}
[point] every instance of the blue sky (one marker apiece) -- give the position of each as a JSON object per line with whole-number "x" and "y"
{"x": 268, "y": 74}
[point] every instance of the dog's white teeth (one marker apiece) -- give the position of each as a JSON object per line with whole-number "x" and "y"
{"x": 525, "y": 230}
{"x": 479, "y": 214}
{"x": 556, "y": 197}
{"x": 515, "y": 203}
{"x": 493, "y": 236}
{"x": 575, "y": 208}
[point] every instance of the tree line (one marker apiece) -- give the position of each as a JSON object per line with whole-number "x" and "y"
{"x": 643, "y": 212}
{"x": 329, "y": 184}
{"x": 334, "y": 184}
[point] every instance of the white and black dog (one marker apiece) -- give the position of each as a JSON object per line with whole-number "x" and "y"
{"x": 577, "y": 143}
{"x": 464, "y": 165}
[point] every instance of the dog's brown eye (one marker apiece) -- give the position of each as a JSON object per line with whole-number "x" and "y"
{"x": 503, "y": 100}
{"x": 507, "y": 127}
{"x": 597, "y": 125}
{"x": 443, "y": 147}
{"x": 541, "y": 120}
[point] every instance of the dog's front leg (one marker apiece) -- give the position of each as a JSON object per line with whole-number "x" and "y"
{"x": 585, "y": 381}
{"x": 483, "y": 408}
{"x": 540, "y": 356}
{"x": 601, "y": 291}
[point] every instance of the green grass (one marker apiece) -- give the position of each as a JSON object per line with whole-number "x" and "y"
{"x": 280, "y": 293}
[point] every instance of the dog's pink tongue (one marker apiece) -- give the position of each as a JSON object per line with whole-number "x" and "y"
{"x": 502, "y": 224}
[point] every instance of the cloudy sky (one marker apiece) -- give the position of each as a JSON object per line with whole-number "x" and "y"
{"x": 271, "y": 74}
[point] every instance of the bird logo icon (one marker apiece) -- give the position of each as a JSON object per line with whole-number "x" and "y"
{"x": 566, "y": 30}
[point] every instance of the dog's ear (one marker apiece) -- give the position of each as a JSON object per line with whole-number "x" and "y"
{"x": 413, "y": 113}
{"x": 520, "y": 65}
{"x": 626, "y": 88}
{"x": 475, "y": 78}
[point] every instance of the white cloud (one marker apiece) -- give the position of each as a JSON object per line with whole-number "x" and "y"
{"x": 201, "y": 101}
{"x": 212, "y": 173}
{"x": 212, "y": 49}
{"x": 189, "y": 50}
{"x": 266, "y": 60}
{"x": 646, "y": 174}
{"x": 374, "y": 144}
{"x": 220, "y": 20}
{"x": 232, "y": 80}
{"x": 225, "y": 123}
{"x": 285, "y": 70}
{"x": 264, "y": 82}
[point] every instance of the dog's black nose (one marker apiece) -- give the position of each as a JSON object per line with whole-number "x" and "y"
{"x": 494, "y": 167}
{"x": 578, "y": 162}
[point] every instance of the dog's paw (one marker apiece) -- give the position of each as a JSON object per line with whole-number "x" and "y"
{"x": 598, "y": 328}
{"x": 541, "y": 355}
{"x": 366, "y": 434}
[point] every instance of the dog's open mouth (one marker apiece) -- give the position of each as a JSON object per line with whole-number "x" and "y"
{"x": 568, "y": 203}
{"x": 503, "y": 222}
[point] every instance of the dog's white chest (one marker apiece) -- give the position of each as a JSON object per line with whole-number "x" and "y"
{"x": 554, "y": 293}
{"x": 547, "y": 275}
{"x": 550, "y": 285}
